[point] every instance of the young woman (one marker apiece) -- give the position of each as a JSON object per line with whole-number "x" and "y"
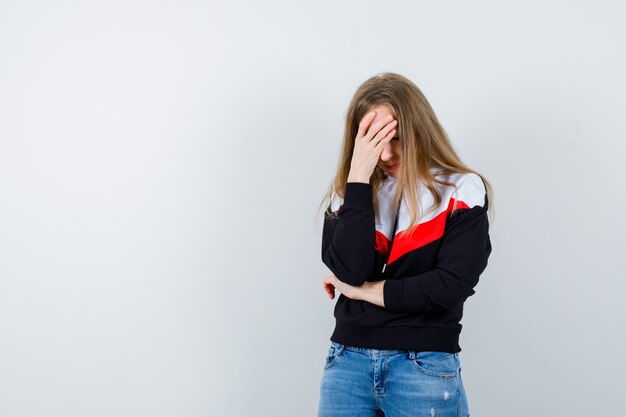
{"x": 406, "y": 235}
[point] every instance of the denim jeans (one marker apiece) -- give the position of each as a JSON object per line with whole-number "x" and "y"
{"x": 364, "y": 382}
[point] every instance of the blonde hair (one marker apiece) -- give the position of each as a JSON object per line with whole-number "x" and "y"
{"x": 424, "y": 144}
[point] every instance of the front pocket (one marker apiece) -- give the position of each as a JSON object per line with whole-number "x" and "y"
{"x": 334, "y": 351}
{"x": 442, "y": 365}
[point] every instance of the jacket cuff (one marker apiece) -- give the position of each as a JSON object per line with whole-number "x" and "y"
{"x": 395, "y": 295}
{"x": 392, "y": 294}
{"x": 359, "y": 194}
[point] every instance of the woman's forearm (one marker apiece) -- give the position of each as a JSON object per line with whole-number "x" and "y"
{"x": 372, "y": 292}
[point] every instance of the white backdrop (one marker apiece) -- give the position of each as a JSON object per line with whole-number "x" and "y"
{"x": 161, "y": 164}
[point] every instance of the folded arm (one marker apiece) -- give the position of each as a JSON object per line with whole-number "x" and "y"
{"x": 348, "y": 240}
{"x": 461, "y": 259}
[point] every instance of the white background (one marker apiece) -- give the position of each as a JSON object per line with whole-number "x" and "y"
{"x": 161, "y": 163}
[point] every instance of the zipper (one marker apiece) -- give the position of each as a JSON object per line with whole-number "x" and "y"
{"x": 393, "y": 235}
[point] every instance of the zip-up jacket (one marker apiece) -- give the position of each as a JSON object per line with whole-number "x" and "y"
{"x": 429, "y": 269}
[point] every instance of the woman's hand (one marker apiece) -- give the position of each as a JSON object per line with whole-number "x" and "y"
{"x": 368, "y": 145}
{"x": 331, "y": 282}
{"x": 371, "y": 292}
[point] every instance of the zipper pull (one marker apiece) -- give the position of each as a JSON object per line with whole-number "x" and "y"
{"x": 384, "y": 266}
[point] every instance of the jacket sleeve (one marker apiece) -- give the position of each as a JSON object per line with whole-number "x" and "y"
{"x": 349, "y": 238}
{"x": 462, "y": 257}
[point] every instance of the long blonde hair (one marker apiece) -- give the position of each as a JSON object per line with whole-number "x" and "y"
{"x": 424, "y": 144}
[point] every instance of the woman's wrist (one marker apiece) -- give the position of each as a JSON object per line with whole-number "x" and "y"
{"x": 357, "y": 178}
{"x": 373, "y": 292}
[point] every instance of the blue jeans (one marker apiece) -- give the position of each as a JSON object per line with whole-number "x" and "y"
{"x": 364, "y": 382}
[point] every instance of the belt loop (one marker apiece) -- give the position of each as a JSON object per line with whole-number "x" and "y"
{"x": 336, "y": 348}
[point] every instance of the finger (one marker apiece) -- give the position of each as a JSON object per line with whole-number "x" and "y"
{"x": 383, "y": 124}
{"x": 382, "y": 133}
{"x": 365, "y": 123}
{"x": 381, "y": 144}
{"x": 330, "y": 291}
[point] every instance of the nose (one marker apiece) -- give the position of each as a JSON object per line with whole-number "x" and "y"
{"x": 387, "y": 153}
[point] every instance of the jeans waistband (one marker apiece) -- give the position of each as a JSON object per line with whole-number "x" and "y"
{"x": 369, "y": 350}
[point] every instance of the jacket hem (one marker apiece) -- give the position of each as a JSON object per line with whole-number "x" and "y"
{"x": 418, "y": 338}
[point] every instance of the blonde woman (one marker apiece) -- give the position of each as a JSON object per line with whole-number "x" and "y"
{"x": 406, "y": 236}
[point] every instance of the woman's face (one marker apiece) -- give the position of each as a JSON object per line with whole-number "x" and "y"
{"x": 391, "y": 155}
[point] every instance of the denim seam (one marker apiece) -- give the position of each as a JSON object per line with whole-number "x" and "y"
{"x": 442, "y": 375}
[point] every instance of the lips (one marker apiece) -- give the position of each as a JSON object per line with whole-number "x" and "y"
{"x": 392, "y": 166}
